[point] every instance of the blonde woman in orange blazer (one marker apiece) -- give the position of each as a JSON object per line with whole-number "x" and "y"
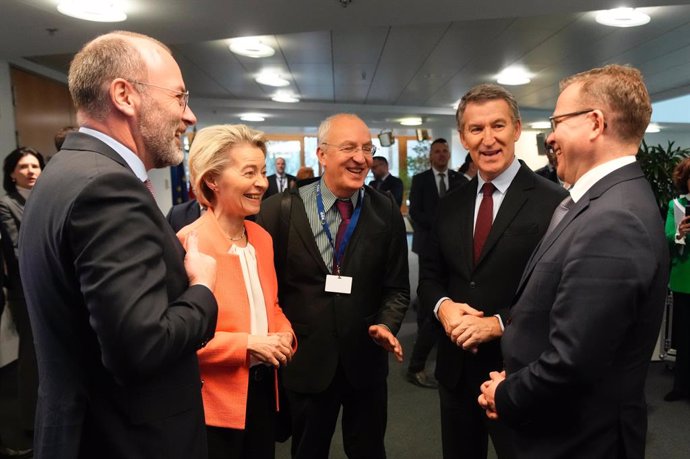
{"x": 253, "y": 337}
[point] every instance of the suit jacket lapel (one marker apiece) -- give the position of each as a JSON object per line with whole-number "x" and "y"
{"x": 513, "y": 201}
{"x": 301, "y": 224}
{"x": 629, "y": 172}
{"x": 466, "y": 224}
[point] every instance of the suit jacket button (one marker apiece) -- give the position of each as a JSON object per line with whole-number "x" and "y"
{"x": 508, "y": 321}
{"x": 472, "y": 284}
{"x": 203, "y": 344}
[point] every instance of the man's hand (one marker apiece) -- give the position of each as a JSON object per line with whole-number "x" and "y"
{"x": 384, "y": 338}
{"x": 269, "y": 349}
{"x": 471, "y": 331}
{"x": 487, "y": 398}
{"x": 201, "y": 268}
{"x": 450, "y": 314}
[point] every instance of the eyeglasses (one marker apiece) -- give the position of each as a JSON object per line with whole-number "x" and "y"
{"x": 555, "y": 119}
{"x": 351, "y": 149}
{"x": 181, "y": 96}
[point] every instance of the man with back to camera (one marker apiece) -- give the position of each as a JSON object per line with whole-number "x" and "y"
{"x": 341, "y": 260}
{"x": 279, "y": 181}
{"x": 587, "y": 311}
{"x": 118, "y": 310}
{"x": 384, "y": 181}
{"x": 483, "y": 237}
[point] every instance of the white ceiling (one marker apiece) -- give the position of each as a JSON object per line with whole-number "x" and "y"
{"x": 382, "y": 59}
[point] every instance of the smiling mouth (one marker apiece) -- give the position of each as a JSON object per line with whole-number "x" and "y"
{"x": 355, "y": 170}
{"x": 256, "y": 197}
{"x": 489, "y": 153}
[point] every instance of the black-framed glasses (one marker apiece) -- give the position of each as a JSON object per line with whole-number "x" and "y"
{"x": 555, "y": 119}
{"x": 181, "y": 96}
{"x": 351, "y": 149}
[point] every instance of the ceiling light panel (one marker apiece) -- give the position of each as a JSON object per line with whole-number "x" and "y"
{"x": 253, "y": 47}
{"x": 93, "y": 10}
{"x": 622, "y": 17}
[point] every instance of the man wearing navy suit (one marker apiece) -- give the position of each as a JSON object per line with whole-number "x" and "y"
{"x": 345, "y": 305}
{"x": 384, "y": 181}
{"x": 589, "y": 305}
{"x": 117, "y": 309}
{"x": 483, "y": 236}
{"x": 181, "y": 215}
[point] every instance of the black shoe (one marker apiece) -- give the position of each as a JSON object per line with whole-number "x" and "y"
{"x": 421, "y": 379}
{"x": 674, "y": 395}
{"x": 13, "y": 453}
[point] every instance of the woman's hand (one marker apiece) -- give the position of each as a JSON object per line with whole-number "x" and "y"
{"x": 684, "y": 227}
{"x": 273, "y": 349}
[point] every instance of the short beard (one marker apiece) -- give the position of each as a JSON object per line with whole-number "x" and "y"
{"x": 162, "y": 150}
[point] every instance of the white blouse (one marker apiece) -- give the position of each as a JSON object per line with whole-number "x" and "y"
{"x": 255, "y": 295}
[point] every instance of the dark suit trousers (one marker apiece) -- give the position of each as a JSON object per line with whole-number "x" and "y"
{"x": 465, "y": 429}
{"x": 681, "y": 339}
{"x": 429, "y": 331}
{"x": 27, "y": 368}
{"x": 364, "y": 419}
{"x": 256, "y": 440}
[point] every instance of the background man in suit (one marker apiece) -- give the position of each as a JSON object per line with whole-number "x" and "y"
{"x": 181, "y": 215}
{"x": 426, "y": 190}
{"x": 118, "y": 311}
{"x": 345, "y": 304}
{"x": 280, "y": 180}
{"x": 482, "y": 239}
{"x": 549, "y": 171}
{"x": 384, "y": 181}
{"x": 468, "y": 168}
{"x": 590, "y": 301}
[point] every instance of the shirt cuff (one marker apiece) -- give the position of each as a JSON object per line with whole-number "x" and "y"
{"x": 679, "y": 240}
{"x": 500, "y": 322}
{"x": 438, "y": 305}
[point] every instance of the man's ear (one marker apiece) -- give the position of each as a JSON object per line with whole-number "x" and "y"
{"x": 598, "y": 123}
{"x": 123, "y": 96}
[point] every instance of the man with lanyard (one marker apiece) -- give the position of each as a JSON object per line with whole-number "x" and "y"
{"x": 341, "y": 257}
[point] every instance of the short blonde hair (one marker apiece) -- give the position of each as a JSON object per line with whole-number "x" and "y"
{"x": 208, "y": 155}
{"x": 619, "y": 91}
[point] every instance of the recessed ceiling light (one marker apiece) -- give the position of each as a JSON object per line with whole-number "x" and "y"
{"x": 285, "y": 98}
{"x": 250, "y": 47}
{"x": 271, "y": 79}
{"x": 541, "y": 125}
{"x": 622, "y": 17}
{"x": 93, "y": 10}
{"x": 653, "y": 128}
{"x": 255, "y": 117}
{"x": 513, "y": 76}
{"x": 411, "y": 121}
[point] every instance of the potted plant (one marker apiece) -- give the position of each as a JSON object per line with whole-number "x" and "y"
{"x": 657, "y": 164}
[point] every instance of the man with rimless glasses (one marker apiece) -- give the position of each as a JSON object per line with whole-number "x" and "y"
{"x": 341, "y": 260}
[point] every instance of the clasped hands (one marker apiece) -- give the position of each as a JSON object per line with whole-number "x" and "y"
{"x": 274, "y": 349}
{"x": 487, "y": 398}
{"x": 467, "y": 327}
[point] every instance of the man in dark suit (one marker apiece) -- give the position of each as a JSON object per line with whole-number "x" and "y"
{"x": 384, "y": 181}
{"x": 181, "y": 215}
{"x": 279, "y": 181}
{"x": 426, "y": 190}
{"x": 549, "y": 171}
{"x": 117, "y": 309}
{"x": 589, "y": 305}
{"x": 341, "y": 258}
{"x": 483, "y": 236}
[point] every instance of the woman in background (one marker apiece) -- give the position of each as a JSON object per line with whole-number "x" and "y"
{"x": 253, "y": 337}
{"x": 677, "y": 229}
{"x": 21, "y": 169}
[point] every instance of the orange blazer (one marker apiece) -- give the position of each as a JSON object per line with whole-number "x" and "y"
{"x": 224, "y": 361}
